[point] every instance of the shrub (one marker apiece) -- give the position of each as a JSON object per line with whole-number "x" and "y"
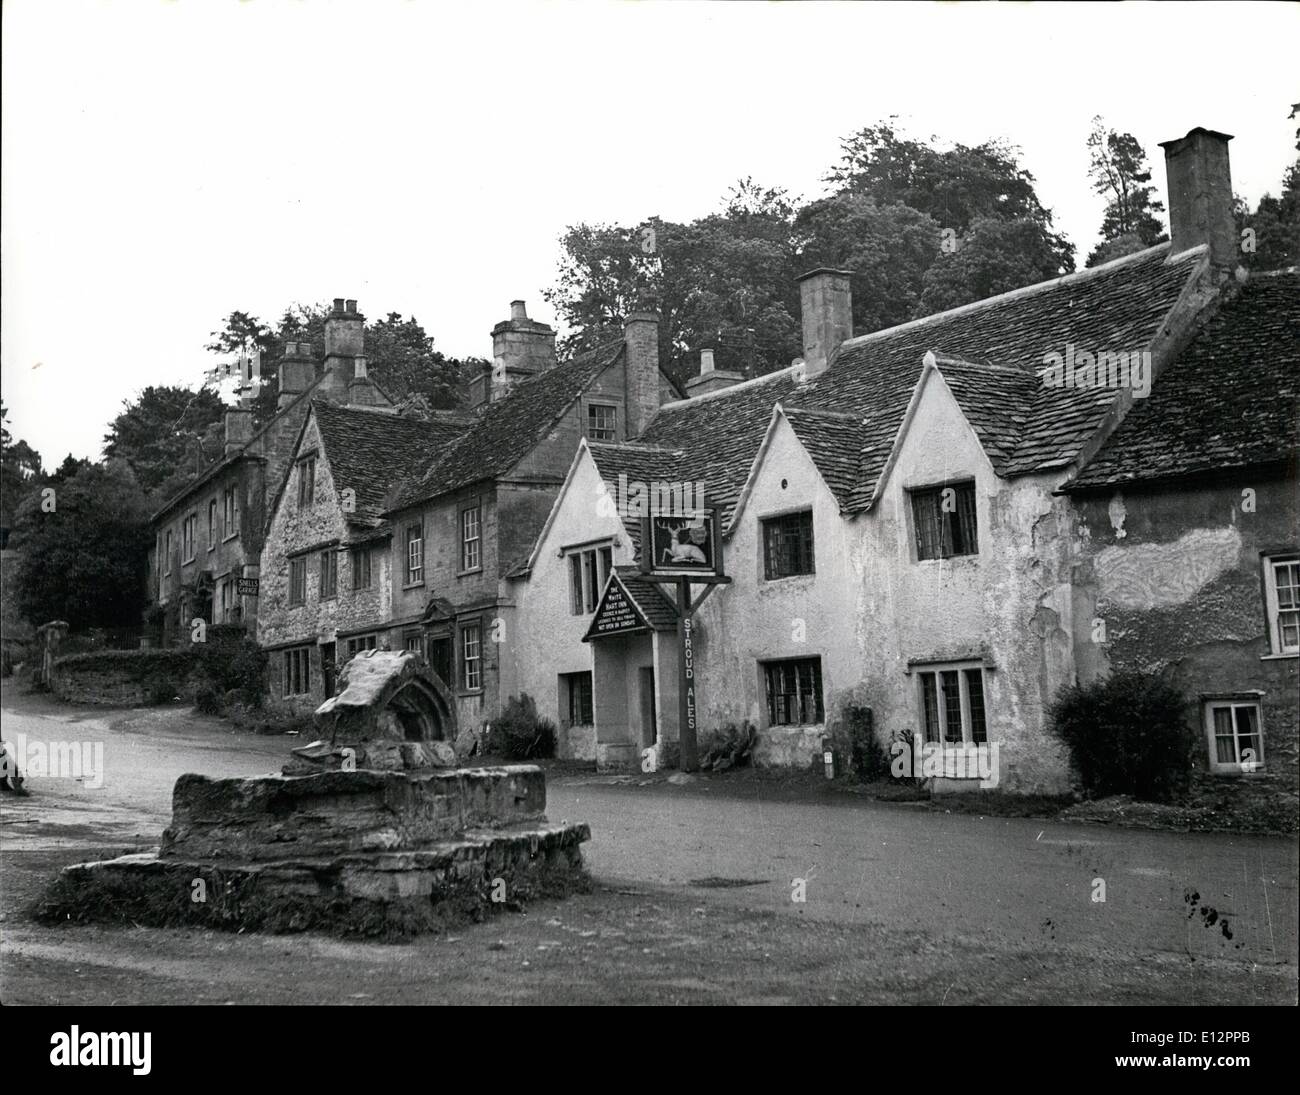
{"x": 519, "y": 733}
{"x": 208, "y": 701}
{"x": 1126, "y": 735}
{"x": 870, "y": 761}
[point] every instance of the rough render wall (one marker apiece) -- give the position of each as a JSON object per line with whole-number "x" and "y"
{"x": 1176, "y": 577}
{"x": 315, "y": 621}
{"x": 548, "y": 637}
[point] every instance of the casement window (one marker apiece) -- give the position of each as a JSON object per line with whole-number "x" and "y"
{"x": 1235, "y": 731}
{"x": 943, "y": 519}
{"x": 167, "y": 552}
{"x": 788, "y": 545}
{"x": 952, "y": 704}
{"x": 794, "y": 692}
{"x": 212, "y": 524}
{"x": 306, "y": 482}
{"x": 189, "y": 527}
{"x": 471, "y": 557}
{"x": 227, "y": 600}
{"x": 358, "y": 643}
{"x": 602, "y": 422}
{"x": 414, "y": 554}
{"x": 576, "y": 695}
{"x": 588, "y": 571}
{"x": 230, "y": 512}
{"x": 471, "y": 657}
{"x": 414, "y": 642}
{"x": 1282, "y": 596}
{"x": 360, "y": 568}
{"x": 297, "y": 581}
{"x": 297, "y": 671}
{"x": 329, "y": 573}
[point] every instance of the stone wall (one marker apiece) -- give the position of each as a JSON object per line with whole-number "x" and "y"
{"x": 124, "y": 678}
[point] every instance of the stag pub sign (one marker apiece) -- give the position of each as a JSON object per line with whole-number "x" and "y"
{"x": 682, "y": 544}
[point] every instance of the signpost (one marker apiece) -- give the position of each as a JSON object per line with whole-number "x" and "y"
{"x": 685, "y": 549}
{"x": 246, "y": 587}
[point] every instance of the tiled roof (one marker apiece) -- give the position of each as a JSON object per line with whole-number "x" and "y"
{"x": 508, "y": 428}
{"x": 641, "y": 464}
{"x": 650, "y": 598}
{"x": 1231, "y": 399}
{"x": 371, "y": 450}
{"x": 834, "y": 441}
{"x": 1119, "y": 306}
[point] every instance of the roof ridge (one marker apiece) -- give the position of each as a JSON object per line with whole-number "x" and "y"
{"x": 795, "y": 409}
{"x": 1072, "y": 278}
{"x": 722, "y": 393}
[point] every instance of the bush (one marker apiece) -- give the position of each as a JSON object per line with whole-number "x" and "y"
{"x": 870, "y": 761}
{"x": 232, "y": 669}
{"x": 519, "y": 733}
{"x": 1126, "y": 735}
{"x": 208, "y": 701}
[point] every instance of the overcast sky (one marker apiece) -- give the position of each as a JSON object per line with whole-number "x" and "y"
{"x": 166, "y": 163}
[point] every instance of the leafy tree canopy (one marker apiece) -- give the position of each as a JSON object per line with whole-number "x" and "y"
{"x": 163, "y": 429}
{"x": 1118, "y": 170}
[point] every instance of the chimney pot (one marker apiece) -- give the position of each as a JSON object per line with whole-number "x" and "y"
{"x": 1200, "y": 196}
{"x": 349, "y": 305}
{"x": 338, "y": 304}
{"x": 706, "y": 361}
{"x": 359, "y": 368}
{"x": 517, "y": 310}
{"x": 826, "y": 304}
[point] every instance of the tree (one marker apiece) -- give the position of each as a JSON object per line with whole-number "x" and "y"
{"x": 161, "y": 428}
{"x": 83, "y": 559}
{"x": 20, "y": 471}
{"x": 1119, "y": 172}
{"x": 1274, "y": 238}
{"x": 995, "y": 256}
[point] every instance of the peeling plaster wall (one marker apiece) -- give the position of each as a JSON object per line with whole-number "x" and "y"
{"x": 1181, "y": 592}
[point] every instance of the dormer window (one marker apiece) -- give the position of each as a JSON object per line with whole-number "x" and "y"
{"x": 943, "y": 519}
{"x": 602, "y": 422}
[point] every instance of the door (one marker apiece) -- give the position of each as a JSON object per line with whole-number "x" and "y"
{"x": 647, "y": 690}
{"x": 327, "y": 668}
{"x": 440, "y": 658}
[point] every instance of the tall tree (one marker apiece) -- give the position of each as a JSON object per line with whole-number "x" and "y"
{"x": 159, "y": 430}
{"x": 1117, "y": 166}
{"x": 1273, "y": 240}
{"x": 20, "y": 472}
{"x": 83, "y": 558}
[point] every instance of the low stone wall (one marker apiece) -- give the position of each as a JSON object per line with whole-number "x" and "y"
{"x": 123, "y": 678}
{"x": 797, "y": 747}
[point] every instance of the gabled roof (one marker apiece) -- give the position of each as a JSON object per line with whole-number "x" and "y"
{"x": 834, "y": 441}
{"x": 1118, "y": 306}
{"x": 370, "y": 450}
{"x": 648, "y": 602}
{"x": 507, "y": 429}
{"x": 646, "y": 464}
{"x": 1230, "y": 400}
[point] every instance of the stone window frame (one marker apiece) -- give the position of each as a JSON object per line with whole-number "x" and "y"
{"x": 932, "y": 688}
{"x": 414, "y": 553}
{"x": 230, "y": 512}
{"x": 919, "y": 496}
{"x": 1232, "y": 702}
{"x": 592, "y": 561}
{"x": 212, "y": 523}
{"x": 767, "y": 667}
{"x": 463, "y": 629}
{"x": 355, "y": 644}
{"x": 305, "y": 466}
{"x": 189, "y": 537}
{"x": 770, "y": 524}
{"x": 167, "y": 551}
{"x": 1272, "y": 561}
{"x": 567, "y": 682}
{"x": 357, "y": 553}
{"x": 595, "y": 429}
{"x": 475, "y": 507}
{"x": 418, "y": 637}
{"x": 297, "y": 581}
{"x": 297, "y": 671}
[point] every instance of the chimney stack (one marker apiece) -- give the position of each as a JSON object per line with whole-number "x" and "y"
{"x": 641, "y": 370}
{"x": 296, "y": 371}
{"x": 711, "y": 379}
{"x": 521, "y": 347}
{"x": 239, "y": 429}
{"x": 826, "y": 304}
{"x": 1200, "y": 196}
{"x": 345, "y": 341}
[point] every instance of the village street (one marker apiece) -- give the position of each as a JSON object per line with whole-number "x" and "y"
{"x": 695, "y": 899}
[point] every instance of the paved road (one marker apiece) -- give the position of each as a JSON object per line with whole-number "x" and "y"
{"x": 1016, "y": 880}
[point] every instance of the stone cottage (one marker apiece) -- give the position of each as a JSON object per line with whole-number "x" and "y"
{"x": 327, "y": 566}
{"x": 899, "y": 521}
{"x": 210, "y": 535}
{"x": 464, "y": 526}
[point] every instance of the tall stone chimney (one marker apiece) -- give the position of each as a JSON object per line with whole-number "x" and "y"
{"x": 826, "y": 304}
{"x": 345, "y": 341}
{"x": 361, "y": 389}
{"x": 641, "y": 365}
{"x": 521, "y": 347}
{"x": 239, "y": 428}
{"x": 710, "y": 378}
{"x": 1200, "y": 196}
{"x": 297, "y": 370}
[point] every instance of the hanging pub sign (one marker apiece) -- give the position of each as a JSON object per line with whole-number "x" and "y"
{"x": 682, "y": 544}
